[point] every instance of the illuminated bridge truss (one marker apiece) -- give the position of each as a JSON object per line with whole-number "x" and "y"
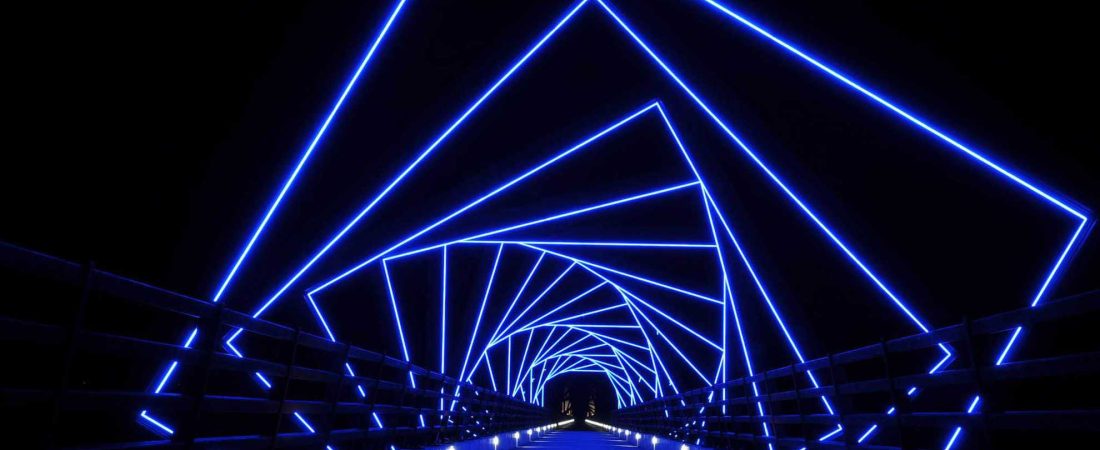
{"x": 75, "y": 401}
{"x": 605, "y": 302}
{"x": 609, "y": 320}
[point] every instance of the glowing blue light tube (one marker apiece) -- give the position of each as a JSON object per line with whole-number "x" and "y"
{"x": 423, "y": 154}
{"x": 304, "y": 423}
{"x": 890, "y": 106}
{"x": 598, "y": 244}
{"x": 602, "y": 336}
{"x": 584, "y": 314}
{"x": 677, "y": 322}
{"x": 397, "y": 319}
{"x": 760, "y": 163}
{"x": 522, "y": 288}
{"x": 481, "y": 311}
{"x": 577, "y": 147}
{"x": 144, "y": 415}
{"x": 532, "y": 303}
{"x": 665, "y": 337}
{"x": 567, "y": 303}
{"x": 167, "y": 375}
{"x": 954, "y": 436}
{"x": 308, "y": 151}
{"x": 584, "y": 210}
{"x": 629, "y": 275}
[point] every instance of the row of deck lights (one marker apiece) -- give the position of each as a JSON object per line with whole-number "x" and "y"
{"x": 620, "y": 432}
{"x": 516, "y": 435}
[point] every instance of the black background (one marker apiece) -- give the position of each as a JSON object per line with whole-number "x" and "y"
{"x": 149, "y": 136}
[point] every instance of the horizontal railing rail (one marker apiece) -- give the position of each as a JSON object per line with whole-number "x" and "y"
{"x": 735, "y": 422}
{"x": 340, "y": 417}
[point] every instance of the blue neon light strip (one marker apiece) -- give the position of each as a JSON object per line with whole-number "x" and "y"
{"x": 522, "y": 288}
{"x": 443, "y": 323}
{"x": 745, "y": 352}
{"x": 563, "y": 305}
{"x": 423, "y": 154}
{"x": 954, "y": 143}
{"x": 985, "y": 160}
{"x": 503, "y": 187}
{"x": 532, "y": 303}
{"x": 400, "y": 330}
{"x": 162, "y": 427}
{"x": 480, "y": 314}
{"x": 397, "y": 319}
{"x": 309, "y": 150}
{"x": 600, "y": 244}
{"x": 584, "y": 210}
{"x": 632, "y": 276}
{"x": 580, "y": 315}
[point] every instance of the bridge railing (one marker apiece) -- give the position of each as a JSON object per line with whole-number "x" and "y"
{"x": 83, "y": 345}
{"x": 883, "y": 400}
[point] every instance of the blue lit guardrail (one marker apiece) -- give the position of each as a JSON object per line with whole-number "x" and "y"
{"x": 75, "y": 390}
{"x": 1000, "y": 412}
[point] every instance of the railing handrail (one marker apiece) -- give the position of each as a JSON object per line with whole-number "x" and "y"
{"x": 1053, "y": 310}
{"x": 18, "y": 258}
{"x": 511, "y": 413}
{"x": 739, "y": 419}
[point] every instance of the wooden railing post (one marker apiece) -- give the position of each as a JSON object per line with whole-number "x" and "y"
{"x": 835, "y": 377}
{"x": 335, "y": 396}
{"x": 372, "y": 392}
{"x": 802, "y": 428}
{"x": 979, "y": 380}
{"x": 284, "y": 388}
{"x": 190, "y": 430}
{"x": 72, "y": 342}
{"x": 901, "y": 405}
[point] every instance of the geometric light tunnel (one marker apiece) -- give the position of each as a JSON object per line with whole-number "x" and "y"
{"x": 623, "y": 334}
{"x": 590, "y": 329}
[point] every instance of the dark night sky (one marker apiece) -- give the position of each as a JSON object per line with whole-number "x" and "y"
{"x": 148, "y": 137}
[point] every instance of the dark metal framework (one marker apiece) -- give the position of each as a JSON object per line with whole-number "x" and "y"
{"x": 697, "y": 415}
{"x": 307, "y": 377}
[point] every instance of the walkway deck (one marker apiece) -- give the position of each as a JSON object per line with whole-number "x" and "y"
{"x": 578, "y": 437}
